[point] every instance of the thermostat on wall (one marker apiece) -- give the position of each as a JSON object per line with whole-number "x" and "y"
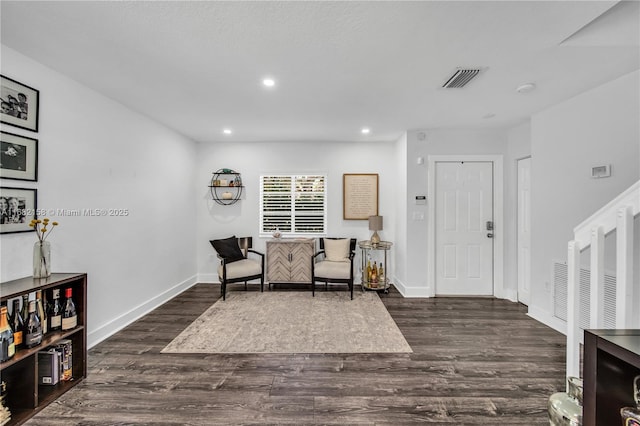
{"x": 601, "y": 171}
{"x": 421, "y": 199}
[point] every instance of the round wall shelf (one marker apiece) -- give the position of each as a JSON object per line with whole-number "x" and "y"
{"x": 226, "y": 186}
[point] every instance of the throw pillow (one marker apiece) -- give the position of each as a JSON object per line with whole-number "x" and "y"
{"x": 228, "y": 249}
{"x": 337, "y": 250}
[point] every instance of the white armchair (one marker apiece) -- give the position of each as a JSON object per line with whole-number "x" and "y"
{"x": 333, "y": 263}
{"x": 235, "y": 265}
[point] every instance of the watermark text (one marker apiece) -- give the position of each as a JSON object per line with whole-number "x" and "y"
{"x": 87, "y": 212}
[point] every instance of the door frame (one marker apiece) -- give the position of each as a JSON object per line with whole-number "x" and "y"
{"x": 517, "y": 210}
{"x": 498, "y": 218}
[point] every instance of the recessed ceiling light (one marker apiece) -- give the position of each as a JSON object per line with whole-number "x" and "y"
{"x": 365, "y": 130}
{"x": 227, "y": 131}
{"x": 268, "y": 82}
{"x": 526, "y": 88}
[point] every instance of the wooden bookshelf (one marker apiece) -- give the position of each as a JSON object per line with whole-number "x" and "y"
{"x": 25, "y": 397}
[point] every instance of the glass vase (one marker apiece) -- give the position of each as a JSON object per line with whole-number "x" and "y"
{"x": 41, "y": 259}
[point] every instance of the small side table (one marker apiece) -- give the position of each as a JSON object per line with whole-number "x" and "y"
{"x": 367, "y": 249}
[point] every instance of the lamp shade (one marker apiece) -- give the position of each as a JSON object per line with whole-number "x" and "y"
{"x": 375, "y": 223}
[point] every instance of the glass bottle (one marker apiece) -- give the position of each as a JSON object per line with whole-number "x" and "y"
{"x": 55, "y": 311}
{"x": 374, "y": 275}
{"x": 565, "y": 408}
{"x": 41, "y": 312}
{"x": 368, "y": 271}
{"x": 69, "y": 315}
{"x": 7, "y": 348}
{"x": 631, "y": 415}
{"x": 24, "y": 313}
{"x": 17, "y": 324}
{"x": 33, "y": 327}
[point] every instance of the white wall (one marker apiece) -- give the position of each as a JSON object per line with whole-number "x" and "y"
{"x": 436, "y": 142}
{"x": 95, "y": 153}
{"x": 252, "y": 159}
{"x": 594, "y": 128}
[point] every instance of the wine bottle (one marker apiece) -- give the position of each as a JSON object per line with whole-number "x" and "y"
{"x": 368, "y": 271}
{"x": 33, "y": 328}
{"x": 69, "y": 315}
{"x": 631, "y": 415}
{"x": 17, "y": 324}
{"x": 374, "y": 275}
{"x": 41, "y": 312}
{"x": 55, "y": 311}
{"x": 7, "y": 348}
{"x": 24, "y": 313}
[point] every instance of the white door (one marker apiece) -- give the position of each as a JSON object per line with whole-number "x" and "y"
{"x": 524, "y": 230}
{"x": 464, "y": 228}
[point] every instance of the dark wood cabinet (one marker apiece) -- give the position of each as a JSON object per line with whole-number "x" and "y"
{"x": 24, "y": 396}
{"x": 611, "y": 361}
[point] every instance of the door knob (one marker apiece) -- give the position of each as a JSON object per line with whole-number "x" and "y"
{"x": 489, "y": 235}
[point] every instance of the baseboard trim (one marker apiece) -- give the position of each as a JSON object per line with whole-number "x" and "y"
{"x": 510, "y": 294}
{"x": 208, "y": 278}
{"x": 410, "y": 292}
{"x": 547, "y": 319}
{"x": 104, "y": 331}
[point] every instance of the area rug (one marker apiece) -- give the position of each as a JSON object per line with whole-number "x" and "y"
{"x": 293, "y": 322}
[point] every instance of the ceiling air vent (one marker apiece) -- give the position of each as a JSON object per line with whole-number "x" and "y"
{"x": 461, "y": 77}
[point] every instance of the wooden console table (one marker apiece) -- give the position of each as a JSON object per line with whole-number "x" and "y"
{"x": 611, "y": 361}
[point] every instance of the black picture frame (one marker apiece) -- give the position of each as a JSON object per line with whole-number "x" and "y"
{"x": 20, "y": 104}
{"x": 26, "y": 200}
{"x": 18, "y": 157}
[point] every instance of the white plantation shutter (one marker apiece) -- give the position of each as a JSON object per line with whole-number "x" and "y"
{"x": 295, "y": 204}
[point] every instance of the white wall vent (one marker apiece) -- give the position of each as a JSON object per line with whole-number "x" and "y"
{"x": 560, "y": 296}
{"x": 461, "y": 77}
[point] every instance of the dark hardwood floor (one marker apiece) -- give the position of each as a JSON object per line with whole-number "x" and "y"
{"x": 475, "y": 361}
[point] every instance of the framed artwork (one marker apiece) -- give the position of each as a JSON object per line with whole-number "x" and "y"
{"x": 18, "y": 157}
{"x": 19, "y": 104}
{"x": 17, "y": 208}
{"x": 360, "y": 196}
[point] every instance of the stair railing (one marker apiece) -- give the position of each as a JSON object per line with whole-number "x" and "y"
{"x": 617, "y": 215}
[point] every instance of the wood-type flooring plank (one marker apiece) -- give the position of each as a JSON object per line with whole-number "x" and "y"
{"x": 475, "y": 361}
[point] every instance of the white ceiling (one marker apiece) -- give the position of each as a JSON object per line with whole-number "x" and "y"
{"x": 197, "y": 66}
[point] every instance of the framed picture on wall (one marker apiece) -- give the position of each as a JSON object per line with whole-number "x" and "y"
{"x": 19, "y": 104}
{"x": 17, "y": 208}
{"x": 18, "y": 157}
{"x": 360, "y": 195}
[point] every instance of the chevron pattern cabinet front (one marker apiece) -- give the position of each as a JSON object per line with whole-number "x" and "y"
{"x": 289, "y": 261}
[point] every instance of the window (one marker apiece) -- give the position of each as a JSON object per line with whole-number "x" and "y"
{"x": 295, "y": 204}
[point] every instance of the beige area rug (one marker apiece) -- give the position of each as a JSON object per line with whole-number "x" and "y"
{"x": 293, "y": 322}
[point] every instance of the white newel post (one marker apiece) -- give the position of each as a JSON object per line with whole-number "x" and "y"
{"x": 624, "y": 268}
{"x": 573, "y": 310}
{"x": 597, "y": 278}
